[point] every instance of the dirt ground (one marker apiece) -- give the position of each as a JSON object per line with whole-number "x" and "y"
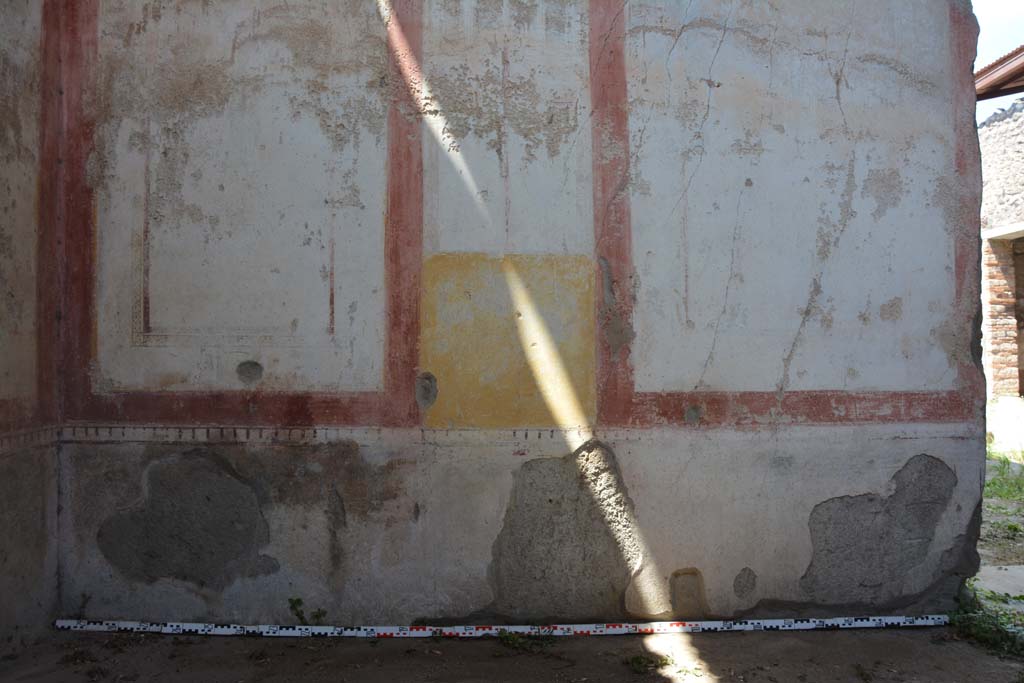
{"x": 933, "y": 655}
{"x": 1002, "y": 532}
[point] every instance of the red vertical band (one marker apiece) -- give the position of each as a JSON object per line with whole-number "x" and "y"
{"x": 404, "y": 222}
{"x": 75, "y": 213}
{"x": 48, "y": 255}
{"x": 612, "y": 232}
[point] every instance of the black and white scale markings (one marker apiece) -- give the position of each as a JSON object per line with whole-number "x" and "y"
{"x": 202, "y": 629}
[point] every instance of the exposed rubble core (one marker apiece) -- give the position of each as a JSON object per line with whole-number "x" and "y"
{"x": 200, "y": 522}
{"x": 865, "y": 545}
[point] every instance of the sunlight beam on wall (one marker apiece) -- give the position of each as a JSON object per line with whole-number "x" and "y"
{"x": 648, "y": 590}
{"x": 427, "y": 104}
{"x": 545, "y": 362}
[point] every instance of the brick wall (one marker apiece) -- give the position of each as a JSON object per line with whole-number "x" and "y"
{"x": 1018, "y": 267}
{"x": 1000, "y": 273}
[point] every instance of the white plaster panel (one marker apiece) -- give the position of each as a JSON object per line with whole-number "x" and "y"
{"x": 787, "y": 195}
{"x": 507, "y": 163}
{"x": 19, "y": 173}
{"x": 241, "y": 167}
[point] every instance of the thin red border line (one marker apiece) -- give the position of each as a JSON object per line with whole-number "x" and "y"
{"x": 619, "y": 404}
{"x": 77, "y": 36}
{"x": 330, "y": 287}
{"x": 144, "y": 300}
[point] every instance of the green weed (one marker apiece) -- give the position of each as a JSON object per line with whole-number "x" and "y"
{"x": 990, "y": 622}
{"x": 646, "y": 663}
{"x": 1009, "y": 529}
{"x": 997, "y": 509}
{"x": 317, "y": 616}
{"x": 1004, "y": 482}
{"x": 525, "y": 643}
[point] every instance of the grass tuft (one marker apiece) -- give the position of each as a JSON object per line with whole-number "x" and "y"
{"x": 1004, "y": 482}
{"x": 647, "y": 663}
{"x": 990, "y": 620}
{"x": 525, "y": 643}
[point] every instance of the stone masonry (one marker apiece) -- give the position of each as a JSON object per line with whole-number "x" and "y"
{"x": 1002, "y": 147}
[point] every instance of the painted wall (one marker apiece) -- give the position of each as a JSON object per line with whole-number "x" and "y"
{"x": 28, "y": 453}
{"x": 484, "y": 309}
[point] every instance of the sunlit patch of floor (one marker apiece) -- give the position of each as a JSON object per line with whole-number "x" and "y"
{"x": 674, "y": 657}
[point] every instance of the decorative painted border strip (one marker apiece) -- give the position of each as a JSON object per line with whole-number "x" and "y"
{"x": 270, "y": 434}
{"x": 532, "y": 441}
{"x": 15, "y": 441}
{"x": 273, "y": 630}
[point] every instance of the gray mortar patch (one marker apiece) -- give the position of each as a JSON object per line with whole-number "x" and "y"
{"x": 566, "y": 549}
{"x": 200, "y": 523}
{"x": 744, "y": 583}
{"x": 426, "y": 390}
{"x": 864, "y": 545}
{"x": 249, "y": 372}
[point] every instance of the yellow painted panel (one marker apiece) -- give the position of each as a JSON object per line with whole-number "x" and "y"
{"x": 510, "y": 340}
